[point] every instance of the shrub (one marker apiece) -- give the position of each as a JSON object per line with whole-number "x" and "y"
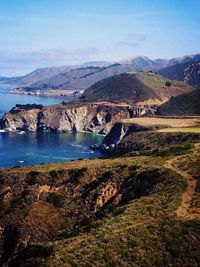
{"x": 168, "y": 84}
{"x": 55, "y": 199}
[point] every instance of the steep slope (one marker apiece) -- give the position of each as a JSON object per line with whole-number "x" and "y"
{"x": 186, "y": 104}
{"x": 148, "y": 88}
{"x": 94, "y": 118}
{"x": 187, "y": 72}
{"x": 192, "y": 74}
{"x": 111, "y": 212}
{"x": 174, "y": 72}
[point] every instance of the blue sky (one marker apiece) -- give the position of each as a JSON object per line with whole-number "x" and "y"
{"x": 64, "y": 32}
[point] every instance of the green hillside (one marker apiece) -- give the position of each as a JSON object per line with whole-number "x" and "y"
{"x": 134, "y": 87}
{"x": 186, "y": 104}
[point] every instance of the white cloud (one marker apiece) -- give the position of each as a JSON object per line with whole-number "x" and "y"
{"x": 16, "y": 63}
{"x": 133, "y": 40}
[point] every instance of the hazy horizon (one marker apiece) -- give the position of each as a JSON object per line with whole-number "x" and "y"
{"x": 47, "y": 33}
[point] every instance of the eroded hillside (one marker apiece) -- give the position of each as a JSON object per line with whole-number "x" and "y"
{"x": 104, "y": 212}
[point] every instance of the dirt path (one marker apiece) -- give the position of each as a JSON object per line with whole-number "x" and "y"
{"x": 184, "y": 211}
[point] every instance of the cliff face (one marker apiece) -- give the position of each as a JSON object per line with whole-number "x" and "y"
{"x": 117, "y": 133}
{"x": 94, "y": 118}
{"x": 192, "y": 74}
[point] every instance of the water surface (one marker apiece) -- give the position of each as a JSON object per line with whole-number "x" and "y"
{"x": 34, "y": 148}
{"x": 8, "y": 100}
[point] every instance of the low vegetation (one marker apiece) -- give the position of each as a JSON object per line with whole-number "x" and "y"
{"x": 185, "y": 104}
{"x": 102, "y": 212}
{"x": 19, "y": 108}
{"x": 157, "y": 144}
{"x": 133, "y": 88}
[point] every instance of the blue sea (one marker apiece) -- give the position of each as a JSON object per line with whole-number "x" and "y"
{"x": 17, "y": 149}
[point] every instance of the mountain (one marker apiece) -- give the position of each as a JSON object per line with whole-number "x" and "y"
{"x": 192, "y": 74}
{"x": 85, "y": 75}
{"x": 186, "y": 104}
{"x": 174, "y": 72}
{"x": 41, "y": 75}
{"x": 144, "y": 63}
{"x": 185, "y": 59}
{"x": 188, "y": 72}
{"x": 148, "y": 88}
{"x": 80, "y": 78}
{"x": 38, "y": 74}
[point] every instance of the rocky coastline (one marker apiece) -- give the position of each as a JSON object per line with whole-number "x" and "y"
{"x": 97, "y": 118}
{"x": 48, "y": 92}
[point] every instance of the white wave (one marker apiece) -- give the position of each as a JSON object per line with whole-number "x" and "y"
{"x": 86, "y": 152}
{"x": 21, "y": 132}
{"x": 78, "y": 146}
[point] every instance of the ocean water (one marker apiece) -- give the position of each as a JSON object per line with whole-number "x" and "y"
{"x": 7, "y": 100}
{"x": 25, "y": 149}
{"x": 35, "y": 148}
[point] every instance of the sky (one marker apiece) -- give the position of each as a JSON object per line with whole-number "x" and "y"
{"x": 41, "y": 33}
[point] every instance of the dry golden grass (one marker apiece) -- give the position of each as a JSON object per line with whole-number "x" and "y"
{"x": 178, "y": 129}
{"x": 168, "y": 122}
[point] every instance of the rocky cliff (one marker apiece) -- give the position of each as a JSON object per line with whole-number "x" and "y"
{"x": 188, "y": 72}
{"x": 192, "y": 74}
{"x": 117, "y": 133}
{"x": 94, "y": 118}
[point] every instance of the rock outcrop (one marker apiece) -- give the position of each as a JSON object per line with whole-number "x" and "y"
{"x": 94, "y": 118}
{"x": 188, "y": 72}
{"x": 192, "y": 74}
{"x": 117, "y": 133}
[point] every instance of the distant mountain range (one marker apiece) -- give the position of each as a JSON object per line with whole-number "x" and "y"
{"x": 87, "y": 74}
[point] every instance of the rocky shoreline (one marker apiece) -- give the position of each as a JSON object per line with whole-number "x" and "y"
{"x": 48, "y": 92}
{"x": 96, "y": 118}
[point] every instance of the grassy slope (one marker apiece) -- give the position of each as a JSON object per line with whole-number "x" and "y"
{"x": 144, "y": 232}
{"x": 129, "y": 230}
{"x": 186, "y": 104}
{"x": 133, "y": 88}
{"x": 162, "y": 122}
{"x": 192, "y": 165}
{"x": 162, "y": 144}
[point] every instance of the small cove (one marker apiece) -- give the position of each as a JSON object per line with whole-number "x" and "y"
{"x": 34, "y": 148}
